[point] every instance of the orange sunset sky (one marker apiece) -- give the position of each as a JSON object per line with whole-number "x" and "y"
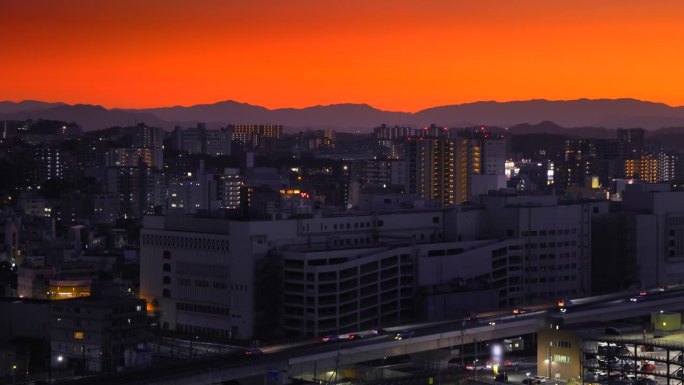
{"x": 395, "y": 55}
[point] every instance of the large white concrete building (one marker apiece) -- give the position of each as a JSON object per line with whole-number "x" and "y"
{"x": 200, "y": 274}
{"x": 659, "y": 232}
{"x": 343, "y": 272}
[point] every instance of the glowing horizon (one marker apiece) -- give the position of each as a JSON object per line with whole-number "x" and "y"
{"x": 394, "y": 56}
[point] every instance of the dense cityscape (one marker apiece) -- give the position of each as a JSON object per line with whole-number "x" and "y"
{"x": 341, "y": 193}
{"x": 125, "y": 246}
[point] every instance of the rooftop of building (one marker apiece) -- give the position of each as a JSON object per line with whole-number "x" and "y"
{"x": 25, "y": 301}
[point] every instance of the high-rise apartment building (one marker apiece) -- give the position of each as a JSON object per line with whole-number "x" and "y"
{"x": 130, "y": 157}
{"x": 200, "y": 140}
{"x": 49, "y": 163}
{"x": 667, "y": 166}
{"x": 635, "y": 138}
{"x": 438, "y": 169}
{"x": 579, "y": 163}
{"x": 253, "y": 136}
{"x": 439, "y": 172}
{"x": 643, "y": 168}
{"x": 151, "y": 138}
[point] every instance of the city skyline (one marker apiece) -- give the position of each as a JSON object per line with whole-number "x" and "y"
{"x": 341, "y": 193}
{"x": 402, "y": 57}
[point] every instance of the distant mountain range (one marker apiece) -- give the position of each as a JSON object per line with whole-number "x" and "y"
{"x": 605, "y": 113}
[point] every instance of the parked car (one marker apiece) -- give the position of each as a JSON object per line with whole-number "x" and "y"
{"x": 540, "y": 379}
{"x": 529, "y": 381}
{"x": 622, "y": 381}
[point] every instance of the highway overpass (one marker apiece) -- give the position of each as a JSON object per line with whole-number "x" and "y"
{"x": 282, "y": 363}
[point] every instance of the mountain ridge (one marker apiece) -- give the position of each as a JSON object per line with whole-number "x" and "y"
{"x": 606, "y": 113}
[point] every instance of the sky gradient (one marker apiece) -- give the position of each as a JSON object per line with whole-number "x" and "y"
{"x": 394, "y": 55}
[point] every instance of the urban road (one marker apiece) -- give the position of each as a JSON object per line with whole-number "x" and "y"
{"x": 278, "y": 356}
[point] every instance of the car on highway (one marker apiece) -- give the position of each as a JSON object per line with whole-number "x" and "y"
{"x": 253, "y": 352}
{"x": 564, "y": 302}
{"x": 470, "y": 317}
{"x": 475, "y": 365}
{"x": 354, "y": 336}
{"x": 331, "y": 338}
{"x": 378, "y": 331}
{"x": 563, "y": 305}
{"x": 511, "y": 363}
{"x": 404, "y": 334}
{"x": 638, "y": 298}
{"x": 520, "y": 310}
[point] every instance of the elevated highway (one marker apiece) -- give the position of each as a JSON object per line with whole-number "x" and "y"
{"x": 283, "y": 362}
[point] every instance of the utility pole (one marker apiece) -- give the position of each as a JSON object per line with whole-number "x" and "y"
{"x": 462, "y": 341}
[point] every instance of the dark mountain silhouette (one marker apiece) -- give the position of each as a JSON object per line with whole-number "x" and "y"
{"x": 25, "y": 105}
{"x": 667, "y": 137}
{"x": 544, "y": 127}
{"x": 608, "y": 113}
{"x": 225, "y": 111}
{"x": 349, "y": 116}
{"x": 570, "y": 132}
{"x": 87, "y": 116}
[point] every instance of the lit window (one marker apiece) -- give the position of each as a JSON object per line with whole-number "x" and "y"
{"x": 78, "y": 335}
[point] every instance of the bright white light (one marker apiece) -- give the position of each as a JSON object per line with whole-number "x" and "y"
{"x": 60, "y": 358}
